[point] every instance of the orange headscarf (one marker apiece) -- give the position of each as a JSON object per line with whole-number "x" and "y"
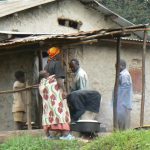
{"x": 52, "y": 52}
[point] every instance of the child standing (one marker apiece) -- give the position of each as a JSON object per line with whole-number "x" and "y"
{"x": 18, "y": 108}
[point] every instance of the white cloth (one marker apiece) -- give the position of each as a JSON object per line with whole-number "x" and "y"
{"x": 88, "y": 115}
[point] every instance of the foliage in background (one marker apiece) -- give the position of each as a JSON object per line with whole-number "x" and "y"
{"x": 129, "y": 140}
{"x": 136, "y": 11}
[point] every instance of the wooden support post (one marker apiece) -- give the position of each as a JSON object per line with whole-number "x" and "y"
{"x": 67, "y": 66}
{"x": 40, "y": 60}
{"x": 40, "y": 107}
{"x": 116, "y": 83}
{"x": 29, "y": 109}
{"x": 143, "y": 79}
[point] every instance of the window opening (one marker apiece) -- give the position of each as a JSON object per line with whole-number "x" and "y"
{"x": 70, "y": 23}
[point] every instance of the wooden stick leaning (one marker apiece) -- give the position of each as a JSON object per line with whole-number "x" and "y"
{"x": 23, "y": 89}
{"x": 28, "y": 94}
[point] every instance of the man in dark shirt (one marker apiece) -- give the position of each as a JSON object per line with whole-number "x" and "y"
{"x": 84, "y": 101}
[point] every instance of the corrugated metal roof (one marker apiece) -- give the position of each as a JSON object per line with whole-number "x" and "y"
{"x": 131, "y": 39}
{"x": 10, "y": 7}
{"x": 76, "y": 37}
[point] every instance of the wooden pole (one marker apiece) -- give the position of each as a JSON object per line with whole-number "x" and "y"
{"x": 67, "y": 66}
{"x": 40, "y": 105}
{"x": 143, "y": 79}
{"x": 116, "y": 83}
{"x": 29, "y": 109}
{"x": 40, "y": 60}
{"x": 20, "y": 90}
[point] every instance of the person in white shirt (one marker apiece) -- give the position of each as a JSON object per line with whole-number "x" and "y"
{"x": 80, "y": 76}
{"x": 84, "y": 103}
{"x": 80, "y": 96}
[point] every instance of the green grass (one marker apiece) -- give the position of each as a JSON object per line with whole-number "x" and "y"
{"x": 129, "y": 140}
{"x": 38, "y": 143}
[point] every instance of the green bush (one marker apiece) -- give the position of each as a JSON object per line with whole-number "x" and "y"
{"x": 129, "y": 140}
{"x": 38, "y": 143}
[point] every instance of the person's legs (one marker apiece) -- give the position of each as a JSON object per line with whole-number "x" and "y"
{"x": 56, "y": 133}
{"x": 18, "y": 125}
{"x": 46, "y": 130}
{"x": 127, "y": 119}
{"x": 18, "y": 120}
{"x": 66, "y": 135}
{"x": 123, "y": 118}
{"x": 121, "y": 123}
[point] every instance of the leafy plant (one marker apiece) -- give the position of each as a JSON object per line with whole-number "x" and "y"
{"x": 136, "y": 11}
{"x": 129, "y": 140}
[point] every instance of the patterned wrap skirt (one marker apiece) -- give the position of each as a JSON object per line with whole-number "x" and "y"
{"x": 56, "y": 114}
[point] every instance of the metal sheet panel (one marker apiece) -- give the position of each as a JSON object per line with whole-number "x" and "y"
{"x": 10, "y": 7}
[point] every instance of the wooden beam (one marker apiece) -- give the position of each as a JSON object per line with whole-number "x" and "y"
{"x": 143, "y": 79}
{"x": 90, "y": 42}
{"x": 113, "y": 34}
{"x": 116, "y": 83}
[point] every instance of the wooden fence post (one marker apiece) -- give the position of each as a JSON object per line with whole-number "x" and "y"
{"x": 29, "y": 108}
{"x": 143, "y": 79}
{"x": 116, "y": 83}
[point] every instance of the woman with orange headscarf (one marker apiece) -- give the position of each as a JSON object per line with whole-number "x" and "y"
{"x": 54, "y": 67}
{"x": 56, "y": 116}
